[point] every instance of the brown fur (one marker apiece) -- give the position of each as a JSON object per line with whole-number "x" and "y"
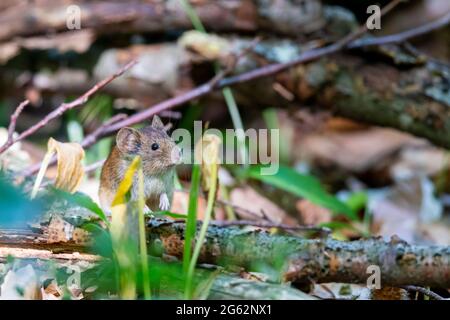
{"x": 158, "y": 165}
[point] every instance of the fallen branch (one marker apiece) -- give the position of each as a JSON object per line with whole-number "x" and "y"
{"x": 105, "y": 17}
{"x": 291, "y": 258}
{"x": 224, "y": 285}
{"x": 324, "y": 260}
{"x": 269, "y": 225}
{"x": 424, "y": 291}
{"x": 402, "y": 36}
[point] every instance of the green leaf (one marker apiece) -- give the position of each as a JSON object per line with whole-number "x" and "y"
{"x": 357, "y": 200}
{"x": 191, "y": 225}
{"x": 82, "y": 200}
{"x": 169, "y": 214}
{"x": 304, "y": 186}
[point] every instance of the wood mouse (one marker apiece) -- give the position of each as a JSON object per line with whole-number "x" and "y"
{"x": 159, "y": 155}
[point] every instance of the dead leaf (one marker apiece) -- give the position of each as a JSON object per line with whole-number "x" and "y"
{"x": 355, "y": 151}
{"x": 389, "y": 293}
{"x": 180, "y": 204}
{"x": 70, "y": 170}
{"x": 401, "y": 209}
{"x": 312, "y": 214}
{"x": 207, "y": 154}
{"x": 247, "y": 198}
{"x": 52, "y": 292}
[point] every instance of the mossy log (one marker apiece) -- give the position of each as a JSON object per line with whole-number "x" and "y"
{"x": 286, "y": 258}
{"x": 224, "y": 286}
{"x": 323, "y": 260}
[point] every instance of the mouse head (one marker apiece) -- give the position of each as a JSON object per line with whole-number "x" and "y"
{"x": 156, "y": 148}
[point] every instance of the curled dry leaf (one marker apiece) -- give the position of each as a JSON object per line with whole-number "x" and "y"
{"x": 70, "y": 169}
{"x": 207, "y": 154}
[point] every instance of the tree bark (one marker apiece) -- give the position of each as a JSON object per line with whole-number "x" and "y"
{"x": 225, "y": 286}
{"x": 111, "y": 17}
{"x": 290, "y": 258}
{"x": 325, "y": 260}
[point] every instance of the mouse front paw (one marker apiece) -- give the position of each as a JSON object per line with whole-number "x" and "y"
{"x": 164, "y": 203}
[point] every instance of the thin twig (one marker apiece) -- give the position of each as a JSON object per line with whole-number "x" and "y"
{"x": 13, "y": 121}
{"x": 243, "y": 210}
{"x": 89, "y": 140}
{"x": 235, "y": 58}
{"x": 424, "y": 291}
{"x": 402, "y": 36}
{"x": 267, "y": 224}
{"x": 87, "y": 169}
{"x": 67, "y": 106}
{"x": 344, "y": 42}
{"x": 264, "y": 222}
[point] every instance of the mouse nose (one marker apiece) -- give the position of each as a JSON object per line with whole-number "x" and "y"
{"x": 176, "y": 155}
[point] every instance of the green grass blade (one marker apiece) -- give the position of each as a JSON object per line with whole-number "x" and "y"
{"x": 304, "y": 186}
{"x": 202, "y": 235}
{"x": 192, "y": 217}
{"x": 143, "y": 237}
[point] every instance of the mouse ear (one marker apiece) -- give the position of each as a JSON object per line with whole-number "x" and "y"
{"x": 128, "y": 140}
{"x": 157, "y": 123}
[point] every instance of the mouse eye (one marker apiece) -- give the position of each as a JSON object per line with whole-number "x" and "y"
{"x": 155, "y": 146}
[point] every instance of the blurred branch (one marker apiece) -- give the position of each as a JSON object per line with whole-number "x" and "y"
{"x": 206, "y": 88}
{"x": 268, "y": 225}
{"x": 13, "y": 121}
{"x": 224, "y": 285}
{"x": 293, "y": 258}
{"x": 424, "y": 291}
{"x": 221, "y": 81}
{"x": 66, "y": 106}
{"x": 109, "y": 17}
{"x": 402, "y": 36}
